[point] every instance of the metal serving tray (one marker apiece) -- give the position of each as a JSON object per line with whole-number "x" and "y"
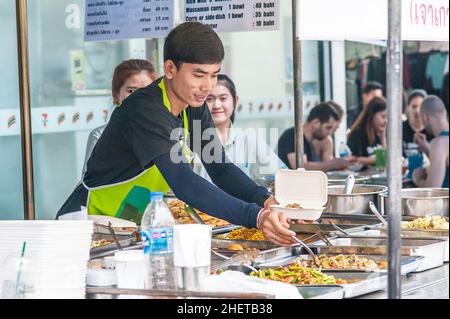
{"x": 412, "y": 234}
{"x": 224, "y": 229}
{"x": 360, "y": 283}
{"x": 409, "y": 264}
{"x": 326, "y": 228}
{"x": 125, "y": 243}
{"x": 431, "y": 249}
{"x": 349, "y": 219}
{"x": 223, "y": 244}
{"x": 321, "y": 292}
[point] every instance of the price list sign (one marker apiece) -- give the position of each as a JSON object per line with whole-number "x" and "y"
{"x": 234, "y": 15}
{"x": 127, "y": 19}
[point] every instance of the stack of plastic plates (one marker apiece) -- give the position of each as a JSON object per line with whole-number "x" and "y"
{"x": 54, "y": 263}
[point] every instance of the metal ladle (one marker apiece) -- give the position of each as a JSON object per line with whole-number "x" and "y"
{"x": 349, "y": 184}
{"x": 374, "y": 210}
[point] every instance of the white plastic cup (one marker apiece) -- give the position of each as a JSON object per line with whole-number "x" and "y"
{"x": 131, "y": 269}
{"x": 192, "y": 255}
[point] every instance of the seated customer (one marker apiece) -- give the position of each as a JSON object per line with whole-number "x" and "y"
{"x": 128, "y": 76}
{"x": 325, "y": 147}
{"x": 321, "y": 122}
{"x": 414, "y": 123}
{"x": 371, "y": 90}
{"x": 434, "y": 116}
{"x": 251, "y": 154}
{"x": 369, "y": 133}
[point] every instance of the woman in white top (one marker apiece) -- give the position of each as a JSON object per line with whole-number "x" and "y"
{"x": 243, "y": 147}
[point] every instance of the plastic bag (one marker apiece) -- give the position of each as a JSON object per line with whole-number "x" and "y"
{"x": 238, "y": 282}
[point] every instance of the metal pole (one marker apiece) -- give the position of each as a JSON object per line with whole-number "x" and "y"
{"x": 298, "y": 88}
{"x": 25, "y": 109}
{"x": 394, "y": 136}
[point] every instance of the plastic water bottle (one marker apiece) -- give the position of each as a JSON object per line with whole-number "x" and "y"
{"x": 344, "y": 150}
{"x": 157, "y": 232}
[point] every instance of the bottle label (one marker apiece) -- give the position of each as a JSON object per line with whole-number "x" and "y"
{"x": 158, "y": 241}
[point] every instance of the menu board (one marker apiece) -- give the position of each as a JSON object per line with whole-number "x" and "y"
{"x": 234, "y": 15}
{"x": 120, "y": 19}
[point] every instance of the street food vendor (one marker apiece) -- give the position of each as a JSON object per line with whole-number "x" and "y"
{"x": 147, "y": 146}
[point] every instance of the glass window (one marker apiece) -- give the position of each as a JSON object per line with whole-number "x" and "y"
{"x": 11, "y": 199}
{"x": 70, "y": 94}
{"x": 71, "y": 91}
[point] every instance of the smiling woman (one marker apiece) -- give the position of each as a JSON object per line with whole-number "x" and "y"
{"x": 243, "y": 147}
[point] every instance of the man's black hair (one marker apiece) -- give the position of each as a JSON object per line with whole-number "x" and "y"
{"x": 195, "y": 43}
{"x": 372, "y": 86}
{"x": 323, "y": 112}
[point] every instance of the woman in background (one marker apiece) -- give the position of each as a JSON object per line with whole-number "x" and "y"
{"x": 369, "y": 132}
{"x": 128, "y": 76}
{"x": 251, "y": 154}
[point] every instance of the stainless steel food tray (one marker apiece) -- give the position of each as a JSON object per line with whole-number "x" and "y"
{"x": 431, "y": 249}
{"x": 126, "y": 242}
{"x": 221, "y": 243}
{"x": 365, "y": 283}
{"x": 321, "y": 292}
{"x": 326, "y": 228}
{"x": 350, "y": 219}
{"x": 409, "y": 264}
{"x": 360, "y": 283}
{"x": 412, "y": 234}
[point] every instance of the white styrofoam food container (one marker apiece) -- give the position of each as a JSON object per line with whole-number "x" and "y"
{"x": 309, "y": 189}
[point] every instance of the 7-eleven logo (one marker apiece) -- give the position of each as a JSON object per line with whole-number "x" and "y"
{"x": 45, "y": 119}
{"x": 61, "y": 118}
{"x": 89, "y": 117}
{"x": 76, "y": 117}
{"x": 11, "y": 121}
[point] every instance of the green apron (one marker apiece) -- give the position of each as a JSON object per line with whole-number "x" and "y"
{"x": 128, "y": 199}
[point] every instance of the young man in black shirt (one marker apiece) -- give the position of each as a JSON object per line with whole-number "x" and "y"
{"x": 321, "y": 123}
{"x": 147, "y": 145}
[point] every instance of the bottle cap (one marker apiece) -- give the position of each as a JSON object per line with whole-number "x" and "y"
{"x": 154, "y": 196}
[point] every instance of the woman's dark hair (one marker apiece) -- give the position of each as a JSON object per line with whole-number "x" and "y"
{"x": 376, "y": 105}
{"x": 224, "y": 80}
{"x": 195, "y": 43}
{"x": 417, "y": 93}
{"x": 126, "y": 69}
{"x": 323, "y": 112}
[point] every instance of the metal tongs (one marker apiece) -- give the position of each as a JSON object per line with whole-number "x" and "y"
{"x": 374, "y": 210}
{"x": 112, "y": 232}
{"x": 243, "y": 257}
{"x": 194, "y": 214}
{"x": 339, "y": 229}
{"x": 310, "y": 252}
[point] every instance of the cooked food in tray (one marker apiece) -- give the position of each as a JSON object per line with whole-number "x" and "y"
{"x": 246, "y": 234}
{"x": 298, "y": 275}
{"x": 352, "y": 262}
{"x": 99, "y": 243}
{"x": 178, "y": 210}
{"x": 427, "y": 223}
